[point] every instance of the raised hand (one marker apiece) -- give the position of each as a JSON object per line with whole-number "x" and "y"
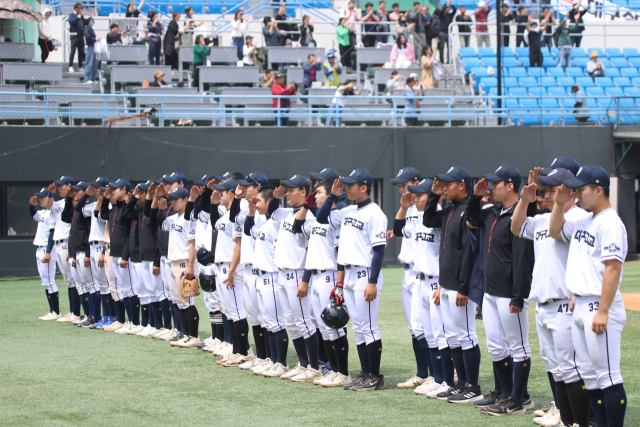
{"x": 534, "y": 174}
{"x": 91, "y": 190}
{"x": 33, "y": 200}
{"x": 210, "y": 183}
{"x": 438, "y": 186}
{"x": 311, "y": 200}
{"x": 278, "y": 193}
{"x": 563, "y": 195}
{"x": 137, "y": 193}
{"x": 338, "y": 187}
{"x": 253, "y": 205}
{"x": 99, "y": 194}
{"x": 161, "y": 191}
{"x": 239, "y": 194}
{"x": 215, "y": 197}
{"x": 528, "y": 193}
{"x": 481, "y": 188}
{"x": 193, "y": 193}
{"x": 108, "y": 194}
{"x": 52, "y": 188}
{"x": 407, "y": 200}
{"x": 162, "y": 204}
{"x": 152, "y": 189}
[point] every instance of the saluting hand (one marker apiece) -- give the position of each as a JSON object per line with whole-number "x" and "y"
{"x": 278, "y": 193}
{"x": 528, "y": 193}
{"x": 33, "y": 201}
{"x": 338, "y": 187}
{"x": 481, "y": 188}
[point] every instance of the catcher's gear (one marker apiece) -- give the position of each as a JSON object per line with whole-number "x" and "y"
{"x": 190, "y": 288}
{"x": 338, "y": 293}
{"x": 311, "y": 200}
{"x": 207, "y": 282}
{"x": 334, "y": 315}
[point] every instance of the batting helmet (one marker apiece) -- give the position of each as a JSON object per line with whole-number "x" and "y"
{"x": 335, "y": 316}
{"x": 207, "y": 282}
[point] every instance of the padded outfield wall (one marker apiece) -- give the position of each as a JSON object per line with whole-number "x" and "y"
{"x": 37, "y": 155}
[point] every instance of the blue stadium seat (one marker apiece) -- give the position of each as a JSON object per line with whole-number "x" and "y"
{"x": 578, "y": 52}
{"x": 612, "y": 72}
{"x": 619, "y": 62}
{"x": 596, "y": 49}
{"x": 487, "y": 82}
{"x": 566, "y": 81}
{"x": 595, "y": 91}
{"x": 537, "y": 92}
{"x": 518, "y": 72}
{"x": 604, "y": 81}
{"x": 580, "y": 61}
{"x": 556, "y": 72}
{"x": 568, "y": 102}
{"x": 522, "y": 52}
{"x": 529, "y": 103}
{"x": 547, "y": 81}
{"x": 517, "y": 91}
{"x": 470, "y": 63}
{"x": 553, "y": 51}
{"x": 536, "y": 72}
{"x": 622, "y": 81}
{"x": 467, "y": 52}
{"x": 511, "y": 103}
{"x": 632, "y": 91}
{"x": 510, "y": 62}
{"x": 614, "y": 91}
{"x": 528, "y": 82}
{"x": 479, "y": 72}
{"x": 557, "y": 91}
{"x": 574, "y": 72}
{"x": 548, "y": 61}
{"x": 629, "y": 72}
{"x": 486, "y": 52}
{"x": 491, "y": 61}
{"x": 634, "y": 62}
{"x": 493, "y": 91}
{"x": 607, "y": 102}
{"x": 510, "y": 82}
{"x": 613, "y": 52}
{"x": 585, "y": 82}
{"x": 631, "y": 52}
{"x": 549, "y": 103}
{"x": 627, "y": 103}
{"x": 507, "y": 52}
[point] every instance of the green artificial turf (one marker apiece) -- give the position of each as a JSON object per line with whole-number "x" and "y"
{"x": 54, "y": 374}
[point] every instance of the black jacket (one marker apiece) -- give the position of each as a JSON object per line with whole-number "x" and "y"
{"x": 89, "y": 36}
{"x": 456, "y": 254}
{"x": 118, "y": 229}
{"x": 170, "y": 38}
{"x": 80, "y": 226}
{"x": 148, "y": 229}
{"x": 508, "y": 258}
{"x": 133, "y": 214}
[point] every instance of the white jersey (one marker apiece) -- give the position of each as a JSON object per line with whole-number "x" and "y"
{"x": 426, "y": 258}
{"x": 248, "y": 242}
{"x": 203, "y": 230}
{"x": 227, "y": 233}
{"x": 407, "y": 250}
{"x": 265, "y": 237}
{"x": 45, "y": 223}
{"x": 593, "y": 240}
{"x": 322, "y": 251}
{"x": 362, "y": 229}
{"x": 291, "y": 247}
{"x": 181, "y": 231}
{"x": 550, "y": 267}
{"x": 62, "y": 228}
{"x": 98, "y": 225}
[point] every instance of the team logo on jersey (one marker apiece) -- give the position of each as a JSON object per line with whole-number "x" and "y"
{"x": 584, "y": 236}
{"x": 288, "y": 227}
{"x": 319, "y": 231}
{"x": 177, "y": 228}
{"x": 543, "y": 234}
{"x": 425, "y": 237}
{"x": 354, "y": 223}
{"x": 400, "y": 173}
{"x": 262, "y": 236}
{"x": 221, "y": 227}
{"x": 380, "y": 235}
{"x": 612, "y": 248}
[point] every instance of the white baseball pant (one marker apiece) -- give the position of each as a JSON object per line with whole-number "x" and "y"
{"x": 553, "y": 322}
{"x": 299, "y": 308}
{"x": 47, "y": 271}
{"x": 507, "y": 333}
{"x": 269, "y": 301}
{"x": 364, "y": 314}
{"x": 177, "y": 281}
{"x": 459, "y": 322}
{"x": 599, "y": 354}
{"x": 62, "y": 251}
{"x": 231, "y": 300}
{"x": 99, "y": 273}
{"x": 86, "y": 273}
{"x": 152, "y": 284}
{"x": 410, "y": 281}
{"x": 111, "y": 275}
{"x": 430, "y": 313}
{"x": 165, "y": 273}
{"x": 124, "y": 287}
{"x": 320, "y": 287}
{"x": 75, "y": 276}
{"x": 137, "y": 278}
{"x": 250, "y": 296}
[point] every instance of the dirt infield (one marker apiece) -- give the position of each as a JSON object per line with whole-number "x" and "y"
{"x": 632, "y": 301}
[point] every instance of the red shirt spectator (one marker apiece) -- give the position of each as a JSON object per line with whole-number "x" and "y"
{"x": 481, "y": 14}
{"x": 279, "y": 88}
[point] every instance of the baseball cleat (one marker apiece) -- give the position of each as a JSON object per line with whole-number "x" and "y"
{"x": 370, "y": 383}
{"x": 488, "y": 400}
{"x": 190, "y": 342}
{"x": 147, "y": 332}
{"x": 469, "y": 394}
{"x": 276, "y": 371}
{"x": 307, "y": 375}
{"x": 107, "y": 322}
{"x": 52, "y": 316}
{"x": 348, "y": 385}
{"x": 113, "y": 327}
{"x": 449, "y": 392}
{"x": 263, "y": 367}
{"x": 90, "y": 322}
{"x": 159, "y": 332}
{"x": 249, "y": 363}
{"x": 237, "y": 361}
{"x": 506, "y": 407}
{"x": 327, "y": 377}
{"x": 79, "y": 319}
{"x": 292, "y": 373}
{"x": 125, "y": 329}
{"x": 135, "y": 329}
{"x": 551, "y": 419}
{"x": 339, "y": 381}
{"x": 44, "y": 317}
{"x": 173, "y": 333}
{"x": 73, "y": 318}
{"x": 64, "y": 319}
{"x": 412, "y": 382}
{"x": 434, "y": 394}
{"x": 226, "y": 359}
{"x": 544, "y": 410}
{"x": 178, "y": 338}
{"x": 528, "y": 404}
{"x": 427, "y": 386}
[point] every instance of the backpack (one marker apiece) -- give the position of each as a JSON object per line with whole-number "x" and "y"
{"x": 434, "y": 28}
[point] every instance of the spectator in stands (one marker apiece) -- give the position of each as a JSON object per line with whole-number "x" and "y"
{"x": 434, "y": 28}
{"x": 158, "y": 80}
{"x": 344, "y": 43}
{"x": 521, "y": 19}
{"x": 580, "y": 108}
{"x": 535, "y": 41}
{"x": 77, "y": 22}
{"x": 44, "y": 37}
{"x": 238, "y": 29}
{"x": 564, "y": 42}
{"x": 464, "y": 29}
{"x": 369, "y": 30}
{"x": 411, "y": 104}
{"x": 402, "y": 54}
{"x": 268, "y": 80}
{"x": 351, "y": 14}
{"x": 170, "y": 39}
{"x": 278, "y": 88}
{"x": 397, "y": 81}
{"x": 337, "y": 103}
{"x": 446, "y": 18}
{"x": 416, "y": 21}
{"x": 541, "y": 203}
{"x": 200, "y": 53}
{"x": 481, "y": 14}
{"x": 428, "y": 61}
{"x": 132, "y": 10}
{"x": 283, "y": 27}
{"x": 190, "y": 25}
{"x": 595, "y": 68}
{"x": 311, "y": 69}
{"x": 155, "y": 38}
{"x": 395, "y": 12}
{"x": 427, "y": 23}
{"x": 270, "y": 32}
{"x": 91, "y": 66}
{"x": 115, "y": 35}
{"x": 306, "y": 32}
{"x": 332, "y": 69}
{"x": 551, "y": 23}
{"x": 506, "y": 16}
{"x": 575, "y": 17}
{"x": 247, "y": 51}
{"x": 383, "y": 16}
{"x": 402, "y": 28}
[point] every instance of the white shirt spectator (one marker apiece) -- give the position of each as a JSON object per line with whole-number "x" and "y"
{"x": 45, "y": 29}
{"x": 238, "y": 28}
{"x": 247, "y": 52}
{"x": 593, "y": 65}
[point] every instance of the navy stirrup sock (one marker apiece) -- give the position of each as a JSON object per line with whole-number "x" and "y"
{"x": 282, "y": 345}
{"x": 144, "y": 308}
{"x": 86, "y": 307}
{"x": 55, "y": 302}
{"x": 615, "y": 401}
{"x": 227, "y": 330}
{"x": 364, "y": 358}
{"x": 120, "y": 310}
{"x": 447, "y": 365}
{"x": 74, "y": 301}
{"x": 331, "y": 355}
{"x": 599, "y": 407}
{"x": 49, "y": 300}
{"x": 104, "y": 300}
{"x": 423, "y": 358}
{"x": 458, "y": 363}
{"x": 156, "y": 311}
{"x": 520, "y": 379}
{"x": 301, "y": 351}
{"x": 273, "y": 354}
{"x": 504, "y": 370}
{"x": 341, "y": 348}
{"x": 438, "y": 373}
{"x": 472, "y": 364}
{"x": 127, "y": 307}
{"x": 374, "y": 352}
{"x": 135, "y": 309}
{"x": 165, "y": 311}
{"x": 311, "y": 344}
{"x": 113, "y": 311}
{"x": 96, "y": 305}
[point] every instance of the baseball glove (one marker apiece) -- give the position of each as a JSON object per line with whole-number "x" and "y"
{"x": 190, "y": 288}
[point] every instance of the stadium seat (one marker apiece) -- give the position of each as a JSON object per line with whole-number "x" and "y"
{"x": 607, "y": 102}
{"x": 479, "y": 72}
{"x": 566, "y": 81}
{"x": 510, "y": 62}
{"x": 491, "y": 61}
{"x": 557, "y": 91}
{"x": 510, "y": 82}
{"x": 627, "y": 103}
{"x": 595, "y": 91}
{"x": 549, "y": 103}
{"x": 507, "y": 52}
{"x": 634, "y": 61}
{"x": 512, "y": 103}
{"x": 568, "y": 102}
{"x": 493, "y": 91}
{"x": 547, "y": 81}
{"x": 556, "y": 72}
{"x": 553, "y": 51}
{"x": 613, "y": 52}
{"x": 537, "y": 92}
{"x": 528, "y": 103}
{"x": 467, "y": 52}
{"x": 622, "y": 81}
{"x": 485, "y": 51}
{"x": 612, "y": 72}
{"x": 487, "y": 82}
{"x": 574, "y": 72}
{"x": 528, "y": 82}
{"x": 548, "y": 62}
{"x": 619, "y": 62}
{"x": 629, "y": 72}
{"x": 517, "y": 91}
{"x": 585, "y": 82}
{"x": 604, "y": 81}
{"x": 580, "y": 61}
{"x": 578, "y": 52}
{"x": 595, "y": 49}
{"x": 522, "y": 52}
{"x": 632, "y": 91}
{"x": 631, "y": 52}
{"x": 518, "y": 72}
{"x": 614, "y": 91}
{"x": 470, "y": 63}
{"x": 536, "y": 72}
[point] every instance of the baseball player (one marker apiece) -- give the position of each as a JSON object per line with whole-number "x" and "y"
{"x": 60, "y": 240}
{"x": 108, "y": 260}
{"x": 331, "y": 175}
{"x": 362, "y": 242}
{"x": 324, "y": 273}
{"x": 509, "y": 264}
{"x": 290, "y": 257}
{"x": 549, "y": 290}
{"x": 406, "y": 222}
{"x": 265, "y": 235}
{"x": 44, "y": 244}
{"x": 182, "y": 254}
{"x": 598, "y": 248}
{"x": 455, "y": 266}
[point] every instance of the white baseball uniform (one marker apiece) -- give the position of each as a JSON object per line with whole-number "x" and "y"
{"x": 410, "y": 279}
{"x": 181, "y": 231}
{"x": 231, "y": 300}
{"x": 246, "y": 258}
{"x": 595, "y": 240}
{"x": 111, "y": 276}
{"x": 61, "y": 240}
{"x": 86, "y": 274}
{"x": 96, "y": 246}
{"x": 204, "y": 232}
{"x": 47, "y": 271}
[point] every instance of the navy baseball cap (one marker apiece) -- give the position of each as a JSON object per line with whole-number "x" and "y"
{"x": 229, "y": 185}
{"x": 424, "y": 187}
{"x": 568, "y": 163}
{"x": 505, "y": 173}
{"x": 555, "y": 177}
{"x": 456, "y": 174}
{"x": 42, "y": 193}
{"x": 405, "y": 175}
{"x": 144, "y": 186}
{"x": 255, "y": 178}
{"x": 326, "y": 173}
{"x": 205, "y": 179}
{"x": 65, "y": 179}
{"x": 121, "y": 183}
{"x": 296, "y": 181}
{"x": 175, "y": 177}
{"x": 101, "y": 181}
{"x": 222, "y": 177}
{"x": 490, "y": 187}
{"x": 178, "y": 193}
{"x": 360, "y": 176}
{"x": 589, "y": 174}
{"x": 82, "y": 185}
{"x": 205, "y": 257}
